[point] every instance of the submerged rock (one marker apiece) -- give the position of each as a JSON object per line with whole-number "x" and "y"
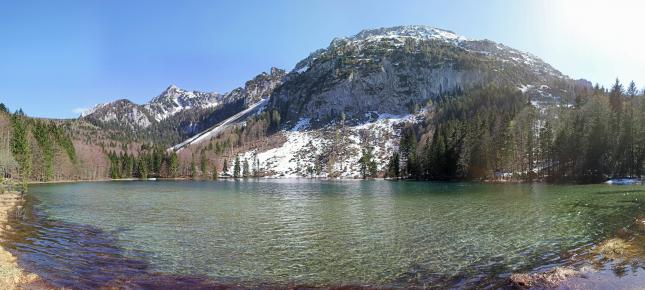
{"x": 615, "y": 249}
{"x": 549, "y": 279}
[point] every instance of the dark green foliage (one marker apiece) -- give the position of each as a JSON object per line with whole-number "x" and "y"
{"x": 150, "y": 161}
{"x": 236, "y": 167}
{"x": 494, "y": 133}
{"x": 367, "y": 164}
{"x": 20, "y": 147}
{"x": 393, "y": 166}
{"x": 193, "y": 168}
{"x": 225, "y": 167}
{"x": 173, "y": 166}
{"x": 41, "y": 133}
{"x": 203, "y": 164}
{"x": 246, "y": 170}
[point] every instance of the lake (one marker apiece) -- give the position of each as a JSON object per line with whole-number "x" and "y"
{"x": 274, "y": 232}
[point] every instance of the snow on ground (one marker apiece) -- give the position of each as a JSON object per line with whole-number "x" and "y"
{"x": 310, "y": 153}
{"x": 220, "y": 127}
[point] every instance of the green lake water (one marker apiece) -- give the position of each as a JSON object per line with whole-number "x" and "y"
{"x": 312, "y": 232}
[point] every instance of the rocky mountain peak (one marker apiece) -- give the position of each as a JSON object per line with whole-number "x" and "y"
{"x": 409, "y": 31}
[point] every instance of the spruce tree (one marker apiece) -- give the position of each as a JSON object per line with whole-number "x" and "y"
{"x": 236, "y": 167}
{"x": 246, "y": 171}
{"x": 173, "y": 164}
{"x": 615, "y": 96}
{"x": 193, "y": 168}
{"x": 225, "y": 167}
{"x": 203, "y": 163}
{"x": 20, "y": 147}
{"x": 632, "y": 90}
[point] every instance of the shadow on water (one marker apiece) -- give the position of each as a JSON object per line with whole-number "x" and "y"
{"x": 77, "y": 256}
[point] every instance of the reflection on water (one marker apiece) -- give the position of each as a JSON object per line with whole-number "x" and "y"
{"x": 276, "y": 232}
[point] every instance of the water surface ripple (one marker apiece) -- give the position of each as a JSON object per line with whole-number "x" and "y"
{"x": 280, "y": 232}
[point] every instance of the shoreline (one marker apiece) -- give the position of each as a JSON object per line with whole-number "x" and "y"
{"x": 485, "y": 181}
{"x": 12, "y": 276}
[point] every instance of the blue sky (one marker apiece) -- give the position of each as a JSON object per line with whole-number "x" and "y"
{"x": 59, "y": 56}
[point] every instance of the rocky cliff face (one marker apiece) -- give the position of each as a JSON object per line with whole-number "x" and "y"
{"x": 258, "y": 88}
{"x": 174, "y": 100}
{"x": 120, "y": 113}
{"x": 395, "y": 70}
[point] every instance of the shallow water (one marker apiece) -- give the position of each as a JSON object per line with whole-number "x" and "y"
{"x": 277, "y": 232}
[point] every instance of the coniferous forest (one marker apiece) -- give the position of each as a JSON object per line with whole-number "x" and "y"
{"x": 498, "y": 134}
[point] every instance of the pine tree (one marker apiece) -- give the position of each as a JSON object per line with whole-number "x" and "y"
{"x": 367, "y": 164}
{"x": 144, "y": 169}
{"x": 203, "y": 163}
{"x": 393, "y": 166}
{"x": 193, "y": 168}
{"x": 632, "y": 90}
{"x": 20, "y": 147}
{"x": 225, "y": 167}
{"x": 615, "y": 96}
{"x": 246, "y": 171}
{"x": 236, "y": 167}
{"x": 174, "y": 164}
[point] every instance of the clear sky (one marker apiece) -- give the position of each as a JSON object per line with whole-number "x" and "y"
{"x": 57, "y": 57}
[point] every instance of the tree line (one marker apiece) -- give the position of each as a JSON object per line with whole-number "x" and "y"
{"x": 498, "y": 133}
{"x": 34, "y": 145}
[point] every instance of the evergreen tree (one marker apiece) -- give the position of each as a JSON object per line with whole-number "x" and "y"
{"x": 393, "y": 166}
{"x": 193, "y": 168}
{"x": 225, "y": 167}
{"x": 632, "y": 90}
{"x": 615, "y": 97}
{"x": 246, "y": 171}
{"x": 20, "y": 147}
{"x": 367, "y": 164}
{"x": 144, "y": 169}
{"x": 203, "y": 163}
{"x": 40, "y": 132}
{"x": 173, "y": 165}
{"x": 236, "y": 167}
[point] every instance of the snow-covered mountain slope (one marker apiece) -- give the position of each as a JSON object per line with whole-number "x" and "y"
{"x": 174, "y": 100}
{"x": 220, "y": 127}
{"x": 312, "y": 152}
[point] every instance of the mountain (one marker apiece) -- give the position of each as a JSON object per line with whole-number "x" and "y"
{"x": 120, "y": 113}
{"x": 174, "y": 100}
{"x": 177, "y": 114}
{"x": 393, "y": 70}
{"x": 361, "y": 91}
{"x": 423, "y": 102}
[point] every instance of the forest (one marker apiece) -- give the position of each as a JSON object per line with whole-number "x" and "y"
{"x": 497, "y": 133}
